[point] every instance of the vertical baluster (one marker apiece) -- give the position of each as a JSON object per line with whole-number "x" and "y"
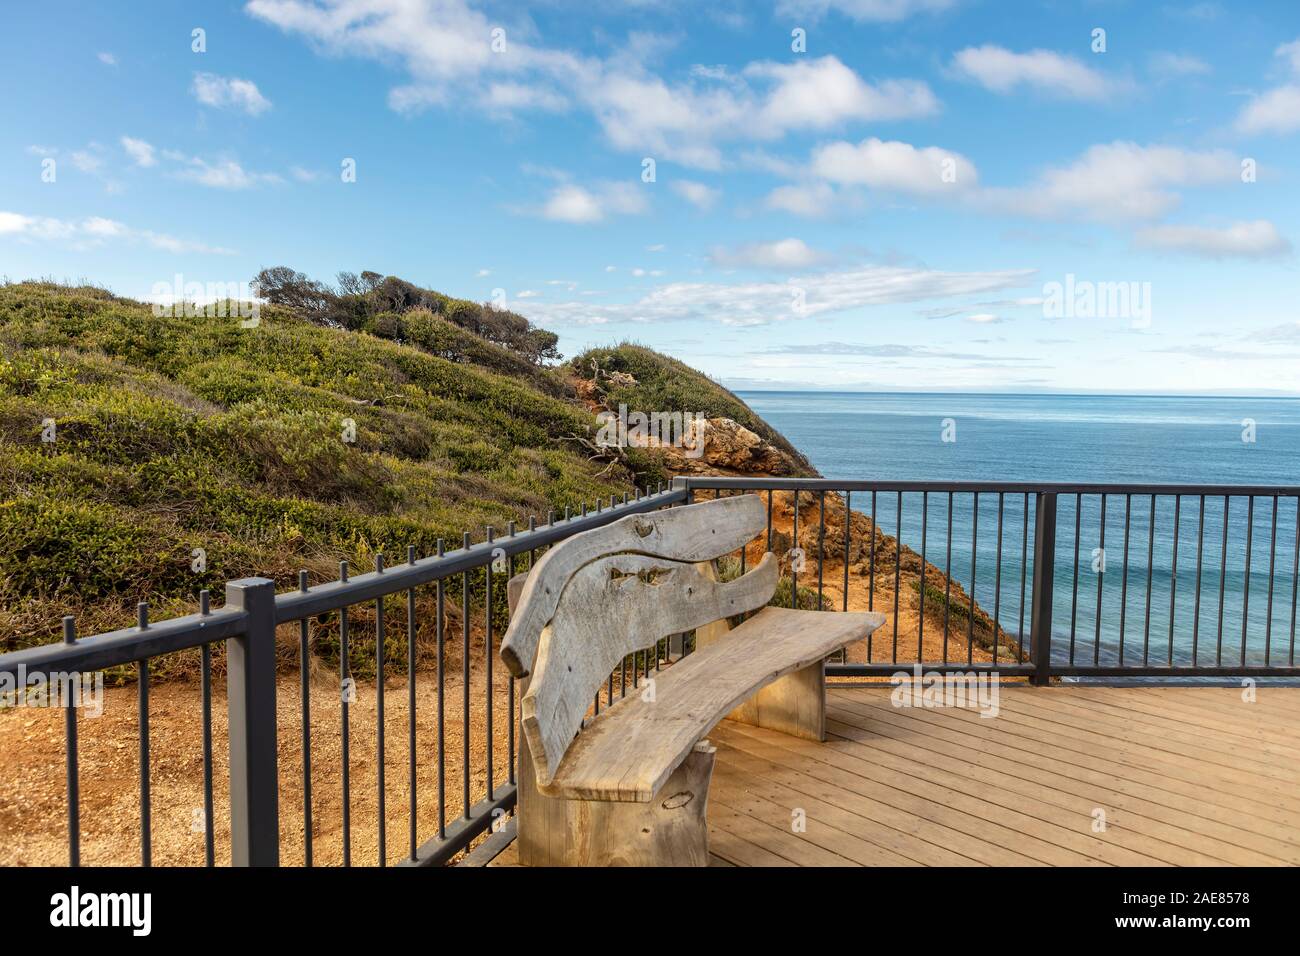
{"x": 487, "y": 660}
{"x": 974, "y": 539}
{"x": 304, "y": 689}
{"x": 794, "y": 572}
{"x": 769, "y": 519}
{"x": 380, "y": 637}
{"x": 412, "y": 844}
{"x": 510, "y": 687}
{"x": 1245, "y": 590}
{"x": 464, "y": 683}
{"x": 1223, "y": 577}
{"x": 997, "y": 584}
{"x": 1024, "y": 569}
{"x": 345, "y": 692}
{"x": 947, "y": 579}
{"x": 848, "y": 527}
{"x": 898, "y": 562}
{"x": 1173, "y": 577}
{"x": 1272, "y": 554}
{"x": 439, "y": 623}
{"x": 1123, "y": 587}
{"x": 920, "y": 618}
{"x": 1295, "y": 582}
{"x": 1196, "y": 603}
{"x": 1074, "y": 587}
{"x": 73, "y": 777}
{"x": 142, "y": 679}
{"x": 871, "y": 570}
{"x": 1151, "y": 551}
{"x": 205, "y": 690}
{"x": 821, "y": 544}
{"x": 1101, "y": 580}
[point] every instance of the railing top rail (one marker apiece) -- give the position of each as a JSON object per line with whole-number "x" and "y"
{"x": 1007, "y": 487}
{"x": 128, "y": 644}
{"x": 132, "y": 644}
{"x": 295, "y": 605}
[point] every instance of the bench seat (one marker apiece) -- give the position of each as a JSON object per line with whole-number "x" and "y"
{"x": 628, "y": 752}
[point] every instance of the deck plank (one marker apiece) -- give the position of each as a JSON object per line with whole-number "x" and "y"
{"x": 1187, "y": 776}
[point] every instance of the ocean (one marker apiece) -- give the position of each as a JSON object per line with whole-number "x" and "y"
{"x": 1085, "y": 438}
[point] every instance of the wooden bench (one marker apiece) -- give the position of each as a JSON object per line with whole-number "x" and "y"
{"x": 630, "y": 786}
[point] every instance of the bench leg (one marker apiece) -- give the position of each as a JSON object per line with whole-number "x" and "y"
{"x": 794, "y": 704}
{"x": 671, "y": 830}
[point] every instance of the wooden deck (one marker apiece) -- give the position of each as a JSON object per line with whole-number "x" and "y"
{"x": 1183, "y": 775}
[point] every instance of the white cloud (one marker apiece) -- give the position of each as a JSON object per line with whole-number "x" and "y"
{"x": 519, "y": 96}
{"x": 881, "y": 11}
{"x": 573, "y": 203}
{"x": 107, "y": 59}
{"x": 95, "y": 231}
{"x": 527, "y": 294}
{"x": 1291, "y": 52}
{"x": 810, "y": 200}
{"x": 1115, "y": 182}
{"x": 1241, "y": 240}
{"x": 444, "y": 47}
{"x": 1001, "y": 70}
{"x": 894, "y": 166}
{"x": 141, "y": 153}
{"x": 1175, "y": 65}
{"x": 223, "y": 174}
{"x": 984, "y": 318}
{"x": 1277, "y": 111}
{"x": 822, "y": 93}
{"x": 304, "y": 175}
{"x": 87, "y": 160}
{"x": 783, "y": 254}
{"x": 482, "y": 272}
{"x": 758, "y": 303}
{"x": 229, "y": 91}
{"x": 697, "y": 194}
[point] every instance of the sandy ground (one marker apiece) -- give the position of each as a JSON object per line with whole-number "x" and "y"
{"x": 32, "y": 783}
{"x": 33, "y": 802}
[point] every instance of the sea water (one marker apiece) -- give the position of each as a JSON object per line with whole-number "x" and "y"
{"x": 1085, "y": 438}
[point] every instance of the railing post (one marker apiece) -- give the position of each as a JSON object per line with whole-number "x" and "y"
{"x": 1040, "y": 626}
{"x": 250, "y": 692}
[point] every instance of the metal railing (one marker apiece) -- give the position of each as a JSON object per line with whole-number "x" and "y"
{"x": 247, "y": 624}
{"x": 1182, "y": 591}
{"x": 1015, "y": 585}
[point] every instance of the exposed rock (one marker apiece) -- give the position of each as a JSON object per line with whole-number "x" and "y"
{"x": 728, "y": 448}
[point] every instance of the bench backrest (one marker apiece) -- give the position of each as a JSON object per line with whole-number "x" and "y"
{"x": 599, "y": 596}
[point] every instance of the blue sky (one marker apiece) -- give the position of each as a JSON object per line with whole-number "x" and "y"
{"x": 888, "y": 207}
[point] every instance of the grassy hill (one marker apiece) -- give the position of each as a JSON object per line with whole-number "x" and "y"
{"x": 178, "y": 433}
{"x": 660, "y": 382}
